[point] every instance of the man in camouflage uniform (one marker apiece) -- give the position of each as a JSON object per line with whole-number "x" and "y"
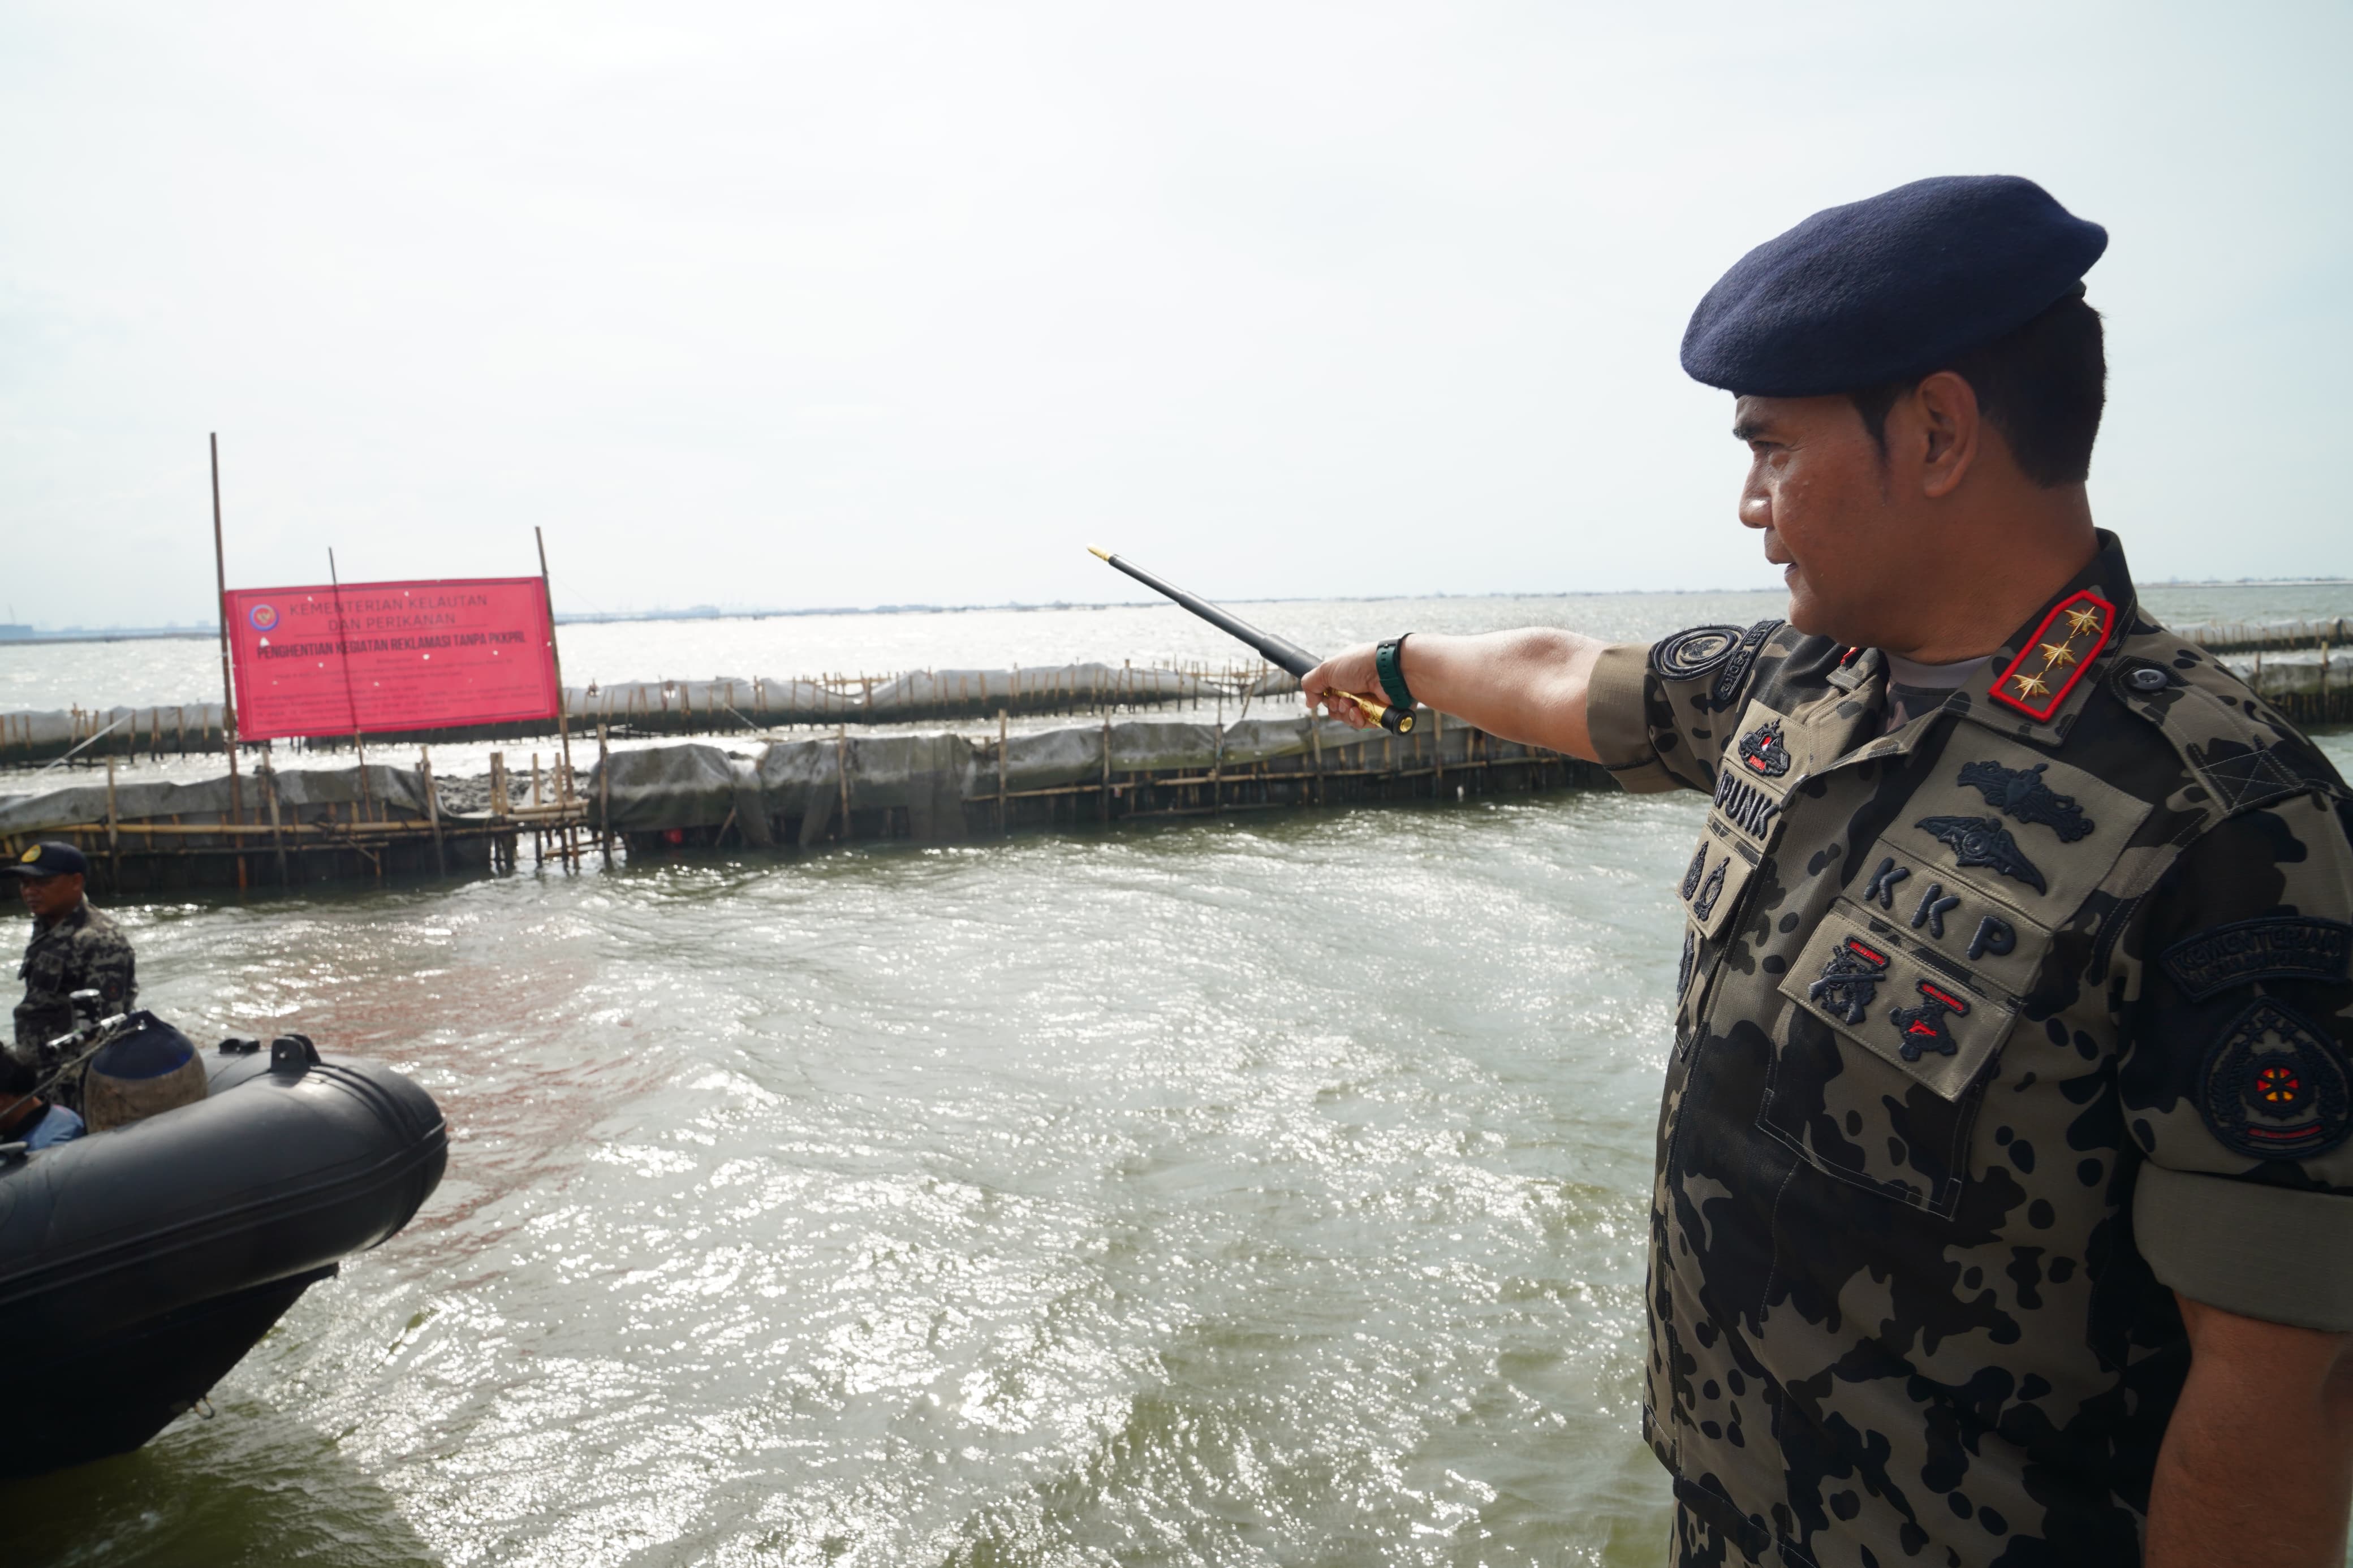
{"x": 74, "y": 948}
{"x": 2003, "y": 1211}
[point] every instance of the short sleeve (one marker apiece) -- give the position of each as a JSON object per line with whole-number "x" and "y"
{"x": 2235, "y": 1078}
{"x": 1655, "y": 712}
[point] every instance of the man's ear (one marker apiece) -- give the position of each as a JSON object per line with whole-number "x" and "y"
{"x": 1952, "y": 432}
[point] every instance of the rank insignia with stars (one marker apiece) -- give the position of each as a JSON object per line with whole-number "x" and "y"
{"x": 2056, "y": 658}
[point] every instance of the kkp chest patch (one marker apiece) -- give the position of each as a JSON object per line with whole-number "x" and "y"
{"x": 1900, "y": 998}
{"x": 2281, "y": 947}
{"x": 2275, "y": 1087}
{"x": 1962, "y": 921}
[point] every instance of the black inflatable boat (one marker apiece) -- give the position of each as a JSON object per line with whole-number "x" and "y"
{"x": 137, "y": 1266}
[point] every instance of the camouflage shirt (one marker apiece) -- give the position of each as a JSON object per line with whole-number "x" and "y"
{"x": 1993, "y": 1031}
{"x": 81, "y": 950}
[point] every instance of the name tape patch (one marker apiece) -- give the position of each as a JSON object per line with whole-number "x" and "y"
{"x": 2279, "y": 947}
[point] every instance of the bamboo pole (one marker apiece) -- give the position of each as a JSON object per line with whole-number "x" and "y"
{"x": 432, "y": 809}
{"x": 1000, "y": 773}
{"x": 605, "y": 796}
{"x": 270, "y": 794}
{"x": 113, "y": 850}
{"x": 229, "y": 690}
{"x": 1104, "y": 814}
{"x": 841, "y": 777}
{"x": 555, "y": 665}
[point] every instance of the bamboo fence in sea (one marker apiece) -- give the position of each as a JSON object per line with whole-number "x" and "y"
{"x": 305, "y": 826}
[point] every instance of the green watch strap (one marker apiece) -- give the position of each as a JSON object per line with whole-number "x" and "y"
{"x": 1389, "y": 663}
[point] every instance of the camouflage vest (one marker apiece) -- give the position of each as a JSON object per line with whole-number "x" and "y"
{"x": 81, "y": 950}
{"x": 1975, "y": 1028}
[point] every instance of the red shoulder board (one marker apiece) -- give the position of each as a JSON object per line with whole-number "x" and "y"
{"x": 2056, "y": 658}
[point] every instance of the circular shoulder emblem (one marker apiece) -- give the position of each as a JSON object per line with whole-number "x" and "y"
{"x": 2276, "y": 1087}
{"x": 1688, "y": 655}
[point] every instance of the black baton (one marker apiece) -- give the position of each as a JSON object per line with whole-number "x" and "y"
{"x": 1288, "y": 656}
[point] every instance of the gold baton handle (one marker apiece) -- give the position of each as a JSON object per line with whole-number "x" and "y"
{"x": 1399, "y": 720}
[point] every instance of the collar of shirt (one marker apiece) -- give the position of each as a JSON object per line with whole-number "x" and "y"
{"x": 1914, "y": 689}
{"x": 77, "y": 916}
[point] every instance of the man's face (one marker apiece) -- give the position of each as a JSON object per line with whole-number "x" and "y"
{"x": 49, "y": 896}
{"x": 1817, "y": 488}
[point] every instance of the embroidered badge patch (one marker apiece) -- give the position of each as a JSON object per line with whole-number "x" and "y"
{"x": 2056, "y": 658}
{"x": 2020, "y": 794}
{"x": 1704, "y": 905}
{"x": 1692, "y": 876}
{"x": 1984, "y": 841}
{"x": 1689, "y": 655}
{"x": 1850, "y": 980}
{"x": 1922, "y": 1029}
{"x": 1683, "y": 971}
{"x": 2275, "y": 1087}
{"x": 1763, "y": 749}
{"x": 2281, "y": 947}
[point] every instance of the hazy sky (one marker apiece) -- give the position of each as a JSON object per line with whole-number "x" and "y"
{"x": 845, "y": 304}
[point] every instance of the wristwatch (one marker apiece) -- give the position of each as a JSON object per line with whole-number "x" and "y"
{"x": 1388, "y": 662}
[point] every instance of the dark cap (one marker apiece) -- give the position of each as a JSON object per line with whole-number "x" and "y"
{"x": 48, "y": 861}
{"x": 1896, "y": 285}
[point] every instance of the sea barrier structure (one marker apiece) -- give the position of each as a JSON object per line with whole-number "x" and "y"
{"x": 2291, "y": 665}
{"x": 307, "y": 826}
{"x": 723, "y": 705}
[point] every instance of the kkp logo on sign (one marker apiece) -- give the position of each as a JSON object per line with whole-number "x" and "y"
{"x": 263, "y": 617}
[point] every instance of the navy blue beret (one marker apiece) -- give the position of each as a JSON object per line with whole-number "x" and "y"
{"x": 1892, "y": 286}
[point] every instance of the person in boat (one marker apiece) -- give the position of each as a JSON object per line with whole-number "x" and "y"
{"x": 2003, "y": 1204}
{"x": 73, "y": 948}
{"x": 24, "y": 1117}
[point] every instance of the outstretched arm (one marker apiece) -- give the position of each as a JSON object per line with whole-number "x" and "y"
{"x": 1527, "y": 685}
{"x": 2257, "y": 1465}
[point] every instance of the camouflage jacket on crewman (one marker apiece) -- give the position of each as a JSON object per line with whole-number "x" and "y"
{"x": 1992, "y": 1033}
{"x": 81, "y": 950}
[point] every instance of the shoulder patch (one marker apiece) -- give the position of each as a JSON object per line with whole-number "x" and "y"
{"x": 2279, "y": 947}
{"x": 1736, "y": 668}
{"x": 1689, "y": 655}
{"x": 2275, "y": 1087}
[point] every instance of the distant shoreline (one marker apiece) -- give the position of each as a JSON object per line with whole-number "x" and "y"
{"x": 211, "y": 634}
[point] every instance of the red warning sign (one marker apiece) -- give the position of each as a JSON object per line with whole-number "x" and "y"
{"x": 389, "y": 656}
